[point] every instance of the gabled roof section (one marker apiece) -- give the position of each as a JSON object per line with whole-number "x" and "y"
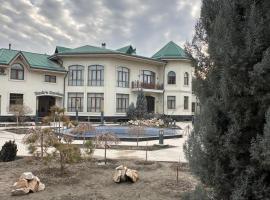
{"x": 7, "y": 55}
{"x": 35, "y": 60}
{"x": 86, "y": 49}
{"x": 127, "y": 50}
{"x": 60, "y": 49}
{"x": 171, "y": 51}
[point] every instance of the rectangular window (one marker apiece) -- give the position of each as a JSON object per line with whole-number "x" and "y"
{"x": 50, "y": 78}
{"x": 122, "y": 102}
{"x": 185, "y": 102}
{"x": 96, "y": 75}
{"x": 122, "y": 77}
{"x": 171, "y": 102}
{"x": 95, "y": 102}
{"x": 75, "y": 101}
{"x": 15, "y": 99}
{"x": 193, "y": 107}
{"x": 76, "y": 73}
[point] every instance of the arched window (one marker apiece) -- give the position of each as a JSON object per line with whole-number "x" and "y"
{"x": 17, "y": 72}
{"x": 96, "y": 75}
{"x": 186, "y": 78}
{"x": 76, "y": 73}
{"x": 171, "y": 77}
{"x": 122, "y": 77}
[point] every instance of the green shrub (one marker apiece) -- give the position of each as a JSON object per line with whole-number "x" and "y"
{"x": 131, "y": 111}
{"x": 8, "y": 151}
{"x": 89, "y": 147}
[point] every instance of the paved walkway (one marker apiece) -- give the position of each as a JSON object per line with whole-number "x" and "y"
{"x": 170, "y": 154}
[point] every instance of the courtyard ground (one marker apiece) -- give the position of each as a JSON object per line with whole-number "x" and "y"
{"x": 89, "y": 181}
{"x": 173, "y": 154}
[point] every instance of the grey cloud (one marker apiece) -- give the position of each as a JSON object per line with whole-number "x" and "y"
{"x": 40, "y": 25}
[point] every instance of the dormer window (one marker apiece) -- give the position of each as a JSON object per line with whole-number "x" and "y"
{"x": 171, "y": 77}
{"x": 17, "y": 72}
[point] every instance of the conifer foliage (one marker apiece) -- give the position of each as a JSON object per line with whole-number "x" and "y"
{"x": 229, "y": 148}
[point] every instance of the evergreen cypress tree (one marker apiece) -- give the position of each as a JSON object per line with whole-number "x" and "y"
{"x": 141, "y": 105}
{"x": 229, "y": 148}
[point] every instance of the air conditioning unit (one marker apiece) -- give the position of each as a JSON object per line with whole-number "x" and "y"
{"x": 2, "y": 71}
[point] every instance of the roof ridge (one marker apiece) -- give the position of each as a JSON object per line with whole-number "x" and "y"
{"x": 25, "y": 51}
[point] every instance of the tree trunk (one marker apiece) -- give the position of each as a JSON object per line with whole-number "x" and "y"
{"x": 105, "y": 153}
{"x": 146, "y": 152}
{"x": 41, "y": 143}
{"x": 17, "y": 119}
{"x": 61, "y": 163}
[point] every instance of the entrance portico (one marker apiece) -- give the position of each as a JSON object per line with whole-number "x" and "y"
{"x": 45, "y": 100}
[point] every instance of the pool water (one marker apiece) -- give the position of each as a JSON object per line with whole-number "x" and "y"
{"x": 123, "y": 132}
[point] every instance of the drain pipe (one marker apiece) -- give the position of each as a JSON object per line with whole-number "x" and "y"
{"x": 64, "y": 99}
{"x": 164, "y": 88}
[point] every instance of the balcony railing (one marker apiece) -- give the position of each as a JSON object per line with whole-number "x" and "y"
{"x": 151, "y": 86}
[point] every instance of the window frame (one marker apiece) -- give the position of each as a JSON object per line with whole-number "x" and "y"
{"x": 18, "y": 70}
{"x": 50, "y": 78}
{"x": 171, "y": 102}
{"x": 186, "y": 78}
{"x": 98, "y": 79}
{"x": 123, "y": 74}
{"x": 148, "y": 78}
{"x": 171, "y": 78}
{"x": 193, "y": 107}
{"x": 15, "y": 99}
{"x": 96, "y": 99}
{"x": 186, "y": 102}
{"x": 71, "y": 101}
{"x": 75, "y": 78}
{"x": 122, "y": 102}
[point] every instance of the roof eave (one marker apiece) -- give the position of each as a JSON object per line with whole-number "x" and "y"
{"x": 108, "y": 53}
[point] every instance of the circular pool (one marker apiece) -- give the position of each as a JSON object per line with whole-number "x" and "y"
{"x": 124, "y": 133}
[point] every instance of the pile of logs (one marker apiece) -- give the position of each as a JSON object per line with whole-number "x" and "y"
{"x": 123, "y": 174}
{"x": 27, "y": 183}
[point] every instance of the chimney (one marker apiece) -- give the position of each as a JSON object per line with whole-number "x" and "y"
{"x": 9, "y": 46}
{"x": 103, "y": 45}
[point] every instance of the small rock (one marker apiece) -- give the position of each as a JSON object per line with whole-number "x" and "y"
{"x": 27, "y": 176}
{"x": 20, "y": 191}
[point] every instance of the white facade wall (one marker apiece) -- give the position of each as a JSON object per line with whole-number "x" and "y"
{"x": 110, "y": 88}
{"x": 34, "y": 81}
{"x": 179, "y": 90}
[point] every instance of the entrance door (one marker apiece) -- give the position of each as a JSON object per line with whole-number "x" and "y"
{"x": 150, "y": 104}
{"x": 44, "y": 105}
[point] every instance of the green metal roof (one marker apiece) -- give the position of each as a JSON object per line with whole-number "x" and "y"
{"x": 171, "y": 51}
{"x": 35, "y": 60}
{"x": 127, "y": 49}
{"x": 87, "y": 49}
{"x": 61, "y": 49}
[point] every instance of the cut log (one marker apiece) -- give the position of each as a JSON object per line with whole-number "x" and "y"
{"x": 132, "y": 174}
{"x": 123, "y": 174}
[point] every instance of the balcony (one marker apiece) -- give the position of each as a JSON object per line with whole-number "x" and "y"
{"x": 148, "y": 87}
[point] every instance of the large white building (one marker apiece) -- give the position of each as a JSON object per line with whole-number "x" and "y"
{"x": 93, "y": 79}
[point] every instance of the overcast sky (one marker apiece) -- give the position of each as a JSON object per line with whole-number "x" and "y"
{"x": 40, "y": 25}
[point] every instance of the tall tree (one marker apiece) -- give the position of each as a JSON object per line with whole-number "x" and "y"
{"x": 141, "y": 105}
{"x": 231, "y": 48}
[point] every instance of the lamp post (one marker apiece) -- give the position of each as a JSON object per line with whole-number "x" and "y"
{"x": 102, "y": 112}
{"x": 77, "y": 108}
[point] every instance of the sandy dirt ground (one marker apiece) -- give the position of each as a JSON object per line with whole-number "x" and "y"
{"x": 89, "y": 181}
